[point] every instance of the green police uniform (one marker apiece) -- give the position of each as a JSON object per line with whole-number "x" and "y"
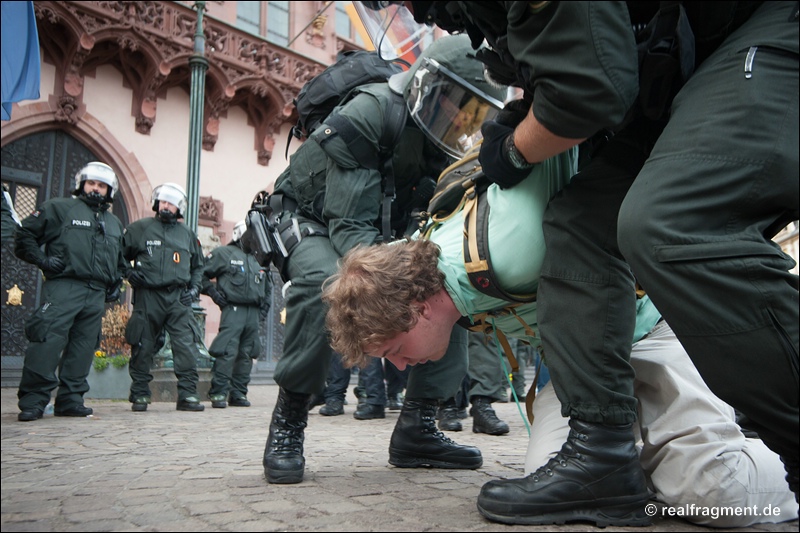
{"x": 247, "y": 287}
{"x": 170, "y": 259}
{"x": 65, "y": 330}
{"x": 335, "y": 180}
{"x": 690, "y": 202}
{"x": 339, "y": 208}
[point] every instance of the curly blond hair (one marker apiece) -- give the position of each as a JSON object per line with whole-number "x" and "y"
{"x": 372, "y": 297}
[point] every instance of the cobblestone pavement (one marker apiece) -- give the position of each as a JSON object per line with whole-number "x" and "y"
{"x": 166, "y": 470}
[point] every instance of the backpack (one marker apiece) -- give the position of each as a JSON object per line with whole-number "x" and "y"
{"x": 336, "y": 85}
{"x": 460, "y": 189}
{"x": 330, "y": 88}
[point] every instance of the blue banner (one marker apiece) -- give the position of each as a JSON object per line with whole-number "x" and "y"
{"x": 21, "y": 67}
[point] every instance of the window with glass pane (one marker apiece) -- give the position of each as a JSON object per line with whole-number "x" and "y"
{"x": 248, "y": 16}
{"x": 278, "y": 22}
{"x": 344, "y": 26}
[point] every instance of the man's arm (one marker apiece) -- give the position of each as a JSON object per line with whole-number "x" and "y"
{"x": 35, "y": 230}
{"x": 353, "y": 191}
{"x": 580, "y": 66}
{"x": 536, "y": 143}
{"x": 130, "y": 242}
{"x": 197, "y": 263}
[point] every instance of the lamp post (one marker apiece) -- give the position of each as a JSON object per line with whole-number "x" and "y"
{"x": 198, "y": 64}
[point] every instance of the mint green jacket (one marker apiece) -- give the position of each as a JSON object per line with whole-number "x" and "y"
{"x": 516, "y": 246}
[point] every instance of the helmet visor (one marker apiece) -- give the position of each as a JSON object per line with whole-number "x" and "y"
{"x": 449, "y": 109}
{"x": 393, "y": 31}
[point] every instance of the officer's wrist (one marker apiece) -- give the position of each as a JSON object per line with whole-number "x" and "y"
{"x": 514, "y": 156}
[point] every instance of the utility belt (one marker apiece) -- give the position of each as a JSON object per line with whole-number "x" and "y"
{"x": 274, "y": 231}
{"x": 169, "y": 288}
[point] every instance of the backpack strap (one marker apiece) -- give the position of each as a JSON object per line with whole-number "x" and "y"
{"x": 477, "y": 260}
{"x": 394, "y": 121}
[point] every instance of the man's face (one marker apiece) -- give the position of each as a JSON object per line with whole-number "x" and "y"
{"x": 163, "y": 204}
{"x": 98, "y": 187}
{"x": 426, "y": 341}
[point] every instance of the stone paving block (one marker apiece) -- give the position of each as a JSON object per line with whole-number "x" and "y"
{"x": 174, "y": 471}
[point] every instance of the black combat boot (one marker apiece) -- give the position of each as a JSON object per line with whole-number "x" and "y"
{"x": 416, "y": 442}
{"x": 596, "y": 477}
{"x": 448, "y": 415}
{"x": 484, "y": 419}
{"x": 283, "y": 455}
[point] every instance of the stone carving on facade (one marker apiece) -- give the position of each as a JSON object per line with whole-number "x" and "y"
{"x": 315, "y": 35}
{"x": 209, "y": 211}
{"x": 158, "y": 39}
{"x": 209, "y": 240}
{"x": 65, "y": 109}
{"x": 147, "y": 101}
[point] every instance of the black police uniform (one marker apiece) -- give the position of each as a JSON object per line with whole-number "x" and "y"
{"x": 64, "y": 331}
{"x": 247, "y": 288}
{"x": 169, "y": 257}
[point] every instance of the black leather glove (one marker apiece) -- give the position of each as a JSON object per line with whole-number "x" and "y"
{"x": 513, "y": 113}
{"x": 218, "y": 296}
{"x": 494, "y": 157}
{"x": 263, "y": 312}
{"x": 52, "y": 265}
{"x": 136, "y": 279}
{"x": 188, "y": 296}
{"x": 113, "y": 292}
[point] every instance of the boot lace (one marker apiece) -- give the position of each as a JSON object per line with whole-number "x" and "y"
{"x": 561, "y": 459}
{"x": 288, "y": 424}
{"x": 429, "y": 426}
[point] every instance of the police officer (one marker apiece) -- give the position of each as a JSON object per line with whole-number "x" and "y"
{"x": 82, "y": 265}
{"x": 166, "y": 277}
{"x": 339, "y": 200}
{"x": 242, "y": 291}
{"x": 683, "y": 195}
{"x": 10, "y": 219}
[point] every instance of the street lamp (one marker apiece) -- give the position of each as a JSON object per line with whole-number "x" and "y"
{"x": 198, "y": 64}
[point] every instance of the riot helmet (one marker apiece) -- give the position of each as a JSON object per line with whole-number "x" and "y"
{"x": 172, "y": 193}
{"x": 238, "y": 230}
{"x": 448, "y": 96}
{"x": 96, "y": 171}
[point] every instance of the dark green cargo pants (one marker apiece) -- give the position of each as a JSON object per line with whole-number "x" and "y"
{"x": 233, "y": 350}
{"x": 63, "y": 333}
{"x": 154, "y": 309}
{"x": 695, "y": 227}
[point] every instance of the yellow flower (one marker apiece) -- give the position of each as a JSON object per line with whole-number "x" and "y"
{"x": 99, "y": 353}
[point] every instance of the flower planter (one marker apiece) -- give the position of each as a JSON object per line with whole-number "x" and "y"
{"x": 112, "y": 383}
